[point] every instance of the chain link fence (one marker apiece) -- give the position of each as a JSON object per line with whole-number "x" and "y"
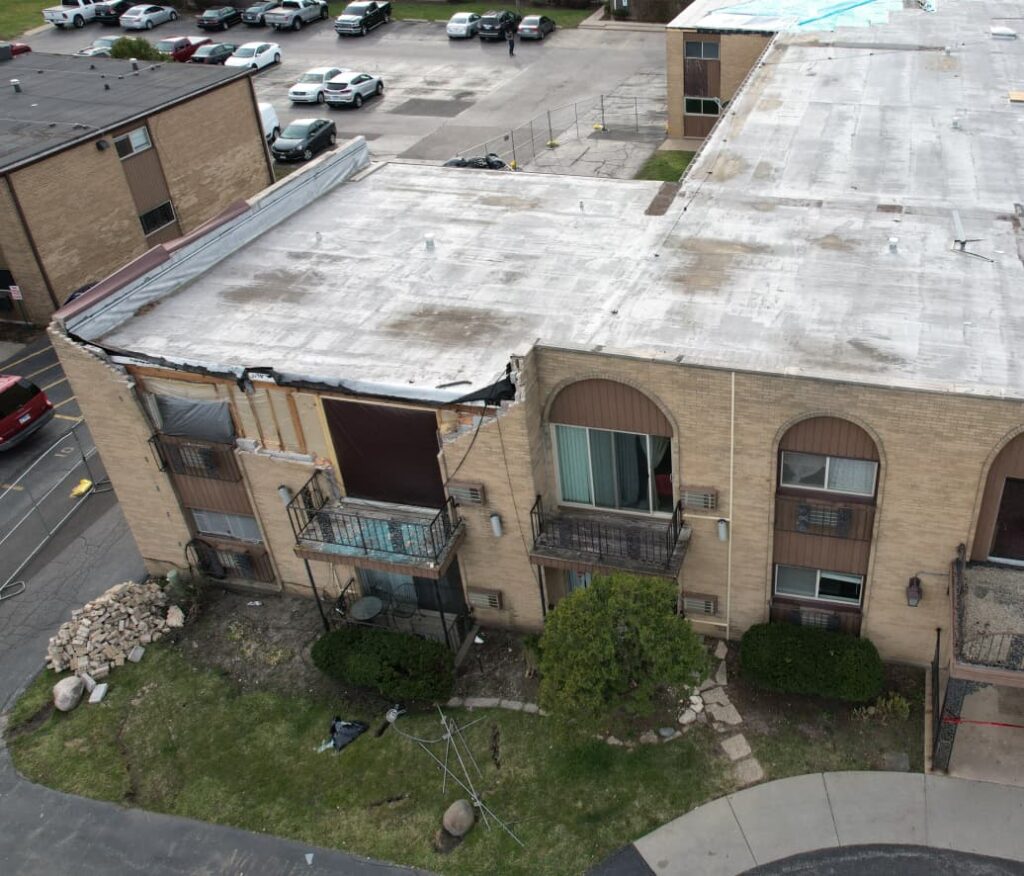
{"x": 600, "y": 127}
{"x": 34, "y": 506}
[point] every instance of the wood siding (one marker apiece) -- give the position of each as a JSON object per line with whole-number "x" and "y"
{"x": 212, "y": 495}
{"x": 146, "y": 180}
{"x": 698, "y": 79}
{"x": 821, "y": 552}
{"x": 830, "y": 436}
{"x": 698, "y": 126}
{"x": 1008, "y": 464}
{"x": 607, "y": 404}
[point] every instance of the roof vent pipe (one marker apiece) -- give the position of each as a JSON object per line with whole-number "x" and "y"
{"x": 1003, "y": 33}
{"x": 894, "y": 244}
{"x": 428, "y": 240}
{"x": 16, "y": 84}
{"x": 135, "y": 64}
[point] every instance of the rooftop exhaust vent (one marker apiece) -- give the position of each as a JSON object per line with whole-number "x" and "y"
{"x": 1003, "y": 33}
{"x": 16, "y": 85}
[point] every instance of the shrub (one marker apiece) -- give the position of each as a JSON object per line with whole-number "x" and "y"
{"x": 399, "y": 666}
{"x": 804, "y": 660}
{"x": 135, "y": 47}
{"x": 615, "y": 643}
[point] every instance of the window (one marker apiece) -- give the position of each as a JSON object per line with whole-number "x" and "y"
{"x": 198, "y": 459}
{"x": 707, "y": 51}
{"x": 817, "y": 584}
{"x": 834, "y": 474}
{"x": 577, "y": 580}
{"x": 132, "y": 142}
{"x": 157, "y": 218}
{"x": 621, "y": 470}
{"x": 701, "y": 106}
{"x": 227, "y": 525}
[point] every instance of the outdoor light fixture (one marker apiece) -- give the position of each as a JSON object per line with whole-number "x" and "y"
{"x": 286, "y": 494}
{"x": 914, "y": 592}
{"x": 723, "y": 529}
{"x": 496, "y": 525}
{"x": 102, "y": 144}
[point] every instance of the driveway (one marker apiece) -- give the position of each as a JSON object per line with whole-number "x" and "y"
{"x": 442, "y": 95}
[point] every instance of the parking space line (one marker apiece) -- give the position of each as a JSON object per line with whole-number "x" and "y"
{"x": 67, "y": 417}
{"x": 46, "y": 349}
{"x": 60, "y": 404}
{"x": 42, "y": 370}
{"x": 55, "y": 383}
{"x": 15, "y": 487}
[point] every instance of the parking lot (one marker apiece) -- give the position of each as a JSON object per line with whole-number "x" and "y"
{"x": 442, "y": 96}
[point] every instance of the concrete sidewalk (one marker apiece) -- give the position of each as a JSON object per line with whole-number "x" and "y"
{"x": 779, "y": 819}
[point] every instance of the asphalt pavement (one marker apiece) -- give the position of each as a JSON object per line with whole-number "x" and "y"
{"x": 441, "y": 96}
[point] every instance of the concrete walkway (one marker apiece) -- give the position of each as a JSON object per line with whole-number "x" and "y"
{"x": 827, "y": 811}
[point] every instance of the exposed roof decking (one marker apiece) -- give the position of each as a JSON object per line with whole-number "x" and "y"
{"x": 774, "y": 257}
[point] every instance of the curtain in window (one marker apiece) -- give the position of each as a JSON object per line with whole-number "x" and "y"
{"x": 662, "y": 474}
{"x": 573, "y": 465}
{"x": 632, "y": 470}
{"x": 602, "y": 464}
{"x": 803, "y": 469}
{"x": 851, "y": 476}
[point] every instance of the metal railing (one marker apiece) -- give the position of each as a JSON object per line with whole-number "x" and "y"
{"x": 226, "y": 560}
{"x": 831, "y": 618}
{"x": 831, "y": 519}
{"x": 196, "y": 458}
{"x": 610, "y": 116}
{"x": 607, "y": 538}
{"x": 315, "y": 518}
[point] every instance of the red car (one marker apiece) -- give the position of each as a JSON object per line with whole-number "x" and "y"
{"x": 24, "y": 408}
{"x": 181, "y": 48}
{"x": 20, "y": 48}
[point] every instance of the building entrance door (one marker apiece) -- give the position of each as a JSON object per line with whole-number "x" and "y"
{"x": 1008, "y": 543}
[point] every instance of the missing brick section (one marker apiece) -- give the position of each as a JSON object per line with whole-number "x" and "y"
{"x": 496, "y": 746}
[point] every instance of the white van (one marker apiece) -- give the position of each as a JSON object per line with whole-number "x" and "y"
{"x": 268, "y": 118}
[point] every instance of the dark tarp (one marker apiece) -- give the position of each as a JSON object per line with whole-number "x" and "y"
{"x": 187, "y": 418}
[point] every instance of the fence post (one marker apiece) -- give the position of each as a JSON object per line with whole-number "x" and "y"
{"x": 636, "y": 114}
{"x": 576, "y": 112}
{"x": 603, "y": 126}
{"x": 551, "y": 134}
{"x": 533, "y": 142}
{"x": 515, "y": 161}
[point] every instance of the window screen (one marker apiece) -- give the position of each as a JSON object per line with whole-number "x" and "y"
{"x": 226, "y": 525}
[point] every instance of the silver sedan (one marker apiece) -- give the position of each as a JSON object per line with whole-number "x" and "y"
{"x": 352, "y": 88}
{"x": 147, "y": 17}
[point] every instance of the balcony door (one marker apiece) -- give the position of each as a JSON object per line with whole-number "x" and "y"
{"x": 1008, "y": 544}
{"x": 386, "y": 453}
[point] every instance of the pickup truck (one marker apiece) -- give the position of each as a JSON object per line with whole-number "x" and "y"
{"x": 295, "y": 13}
{"x": 358, "y": 18}
{"x": 70, "y": 12}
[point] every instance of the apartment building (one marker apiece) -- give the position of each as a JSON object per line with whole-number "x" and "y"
{"x": 101, "y": 159}
{"x": 793, "y": 389}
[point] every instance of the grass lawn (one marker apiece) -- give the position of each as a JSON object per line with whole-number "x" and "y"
{"x": 173, "y": 737}
{"x": 444, "y": 11}
{"x": 666, "y": 165}
{"x": 17, "y": 16}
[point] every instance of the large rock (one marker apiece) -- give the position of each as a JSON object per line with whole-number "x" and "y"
{"x": 67, "y": 693}
{"x": 459, "y": 818}
{"x": 175, "y": 617}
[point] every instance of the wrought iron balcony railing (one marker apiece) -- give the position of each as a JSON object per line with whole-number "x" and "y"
{"x": 196, "y": 458}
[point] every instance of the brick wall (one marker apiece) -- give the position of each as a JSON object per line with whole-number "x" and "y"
{"x": 17, "y": 257}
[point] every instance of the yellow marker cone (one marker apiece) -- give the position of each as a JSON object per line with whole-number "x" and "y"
{"x": 81, "y": 488}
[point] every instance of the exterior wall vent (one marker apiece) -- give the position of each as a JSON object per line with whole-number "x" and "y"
{"x": 699, "y": 498}
{"x": 699, "y": 604}
{"x": 483, "y": 598}
{"x": 466, "y": 493}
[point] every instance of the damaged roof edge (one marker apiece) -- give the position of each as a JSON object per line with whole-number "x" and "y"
{"x": 164, "y": 269}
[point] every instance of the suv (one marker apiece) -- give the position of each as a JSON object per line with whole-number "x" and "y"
{"x": 181, "y": 48}
{"x": 496, "y": 25}
{"x": 24, "y": 408}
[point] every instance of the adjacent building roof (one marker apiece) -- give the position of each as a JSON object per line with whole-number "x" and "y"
{"x": 67, "y": 98}
{"x": 773, "y": 16}
{"x": 814, "y": 235}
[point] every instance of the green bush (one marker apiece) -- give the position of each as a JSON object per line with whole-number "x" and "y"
{"x": 137, "y": 48}
{"x": 613, "y": 644}
{"x": 399, "y": 666}
{"x": 804, "y": 660}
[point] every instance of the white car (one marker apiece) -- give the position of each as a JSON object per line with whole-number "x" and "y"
{"x": 352, "y": 88}
{"x": 255, "y": 55}
{"x": 147, "y": 17}
{"x": 310, "y": 87}
{"x": 463, "y": 25}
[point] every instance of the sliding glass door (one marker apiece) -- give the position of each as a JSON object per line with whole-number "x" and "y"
{"x": 622, "y": 470}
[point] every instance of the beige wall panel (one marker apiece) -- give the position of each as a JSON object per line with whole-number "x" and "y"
{"x": 17, "y": 257}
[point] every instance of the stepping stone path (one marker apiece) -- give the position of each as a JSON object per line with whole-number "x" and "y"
{"x": 724, "y": 717}
{"x": 736, "y": 747}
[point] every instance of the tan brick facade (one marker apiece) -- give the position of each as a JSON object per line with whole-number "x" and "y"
{"x": 934, "y": 454}
{"x": 207, "y": 167}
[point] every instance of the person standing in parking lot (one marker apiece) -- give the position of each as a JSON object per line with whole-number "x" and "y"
{"x": 510, "y": 35}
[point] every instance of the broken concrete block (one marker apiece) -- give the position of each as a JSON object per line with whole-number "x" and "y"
{"x": 135, "y": 655}
{"x": 98, "y": 693}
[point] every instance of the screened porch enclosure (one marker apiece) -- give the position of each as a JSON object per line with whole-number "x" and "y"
{"x": 624, "y": 471}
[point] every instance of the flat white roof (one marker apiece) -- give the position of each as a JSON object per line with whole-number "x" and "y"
{"x": 773, "y": 16}
{"x": 814, "y": 235}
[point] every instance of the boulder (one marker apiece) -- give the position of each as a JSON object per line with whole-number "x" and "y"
{"x": 459, "y": 818}
{"x": 688, "y": 716}
{"x": 67, "y": 693}
{"x": 175, "y": 617}
{"x": 649, "y": 738}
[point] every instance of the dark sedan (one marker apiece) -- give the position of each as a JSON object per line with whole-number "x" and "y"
{"x": 253, "y": 15}
{"x": 536, "y": 27}
{"x": 303, "y": 138}
{"x": 220, "y": 18}
{"x": 110, "y": 11}
{"x": 496, "y": 25}
{"x": 212, "y": 53}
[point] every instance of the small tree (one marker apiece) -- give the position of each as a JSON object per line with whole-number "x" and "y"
{"x": 615, "y": 643}
{"x": 135, "y": 47}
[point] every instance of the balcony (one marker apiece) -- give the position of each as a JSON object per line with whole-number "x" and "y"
{"x": 988, "y": 622}
{"x": 606, "y": 541}
{"x": 226, "y": 560}
{"x": 375, "y": 535}
{"x": 195, "y": 458}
